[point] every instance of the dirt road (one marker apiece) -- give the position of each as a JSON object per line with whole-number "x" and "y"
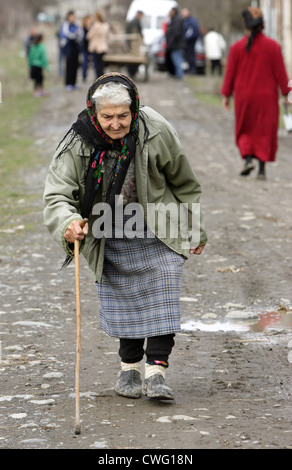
{"x": 231, "y": 368}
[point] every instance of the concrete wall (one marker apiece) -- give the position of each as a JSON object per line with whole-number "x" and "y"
{"x": 278, "y": 25}
{"x": 287, "y": 34}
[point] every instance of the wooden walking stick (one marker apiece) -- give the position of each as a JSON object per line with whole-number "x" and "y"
{"x": 78, "y": 333}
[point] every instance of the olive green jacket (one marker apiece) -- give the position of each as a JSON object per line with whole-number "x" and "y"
{"x": 164, "y": 178}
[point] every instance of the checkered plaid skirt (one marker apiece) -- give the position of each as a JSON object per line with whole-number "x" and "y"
{"x": 140, "y": 293}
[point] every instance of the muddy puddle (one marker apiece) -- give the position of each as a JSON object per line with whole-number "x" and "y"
{"x": 251, "y": 322}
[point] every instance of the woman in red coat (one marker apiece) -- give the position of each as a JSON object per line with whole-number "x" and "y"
{"x": 255, "y": 72}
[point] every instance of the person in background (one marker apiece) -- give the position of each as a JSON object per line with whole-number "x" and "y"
{"x": 255, "y": 72}
{"x": 26, "y": 45}
{"x": 29, "y": 40}
{"x": 168, "y": 62}
{"x": 135, "y": 27}
{"x": 127, "y": 159}
{"x": 175, "y": 42}
{"x": 98, "y": 41}
{"x": 215, "y": 46}
{"x": 192, "y": 32}
{"x": 61, "y": 48}
{"x": 71, "y": 39}
{"x": 86, "y": 55}
{"x": 38, "y": 61}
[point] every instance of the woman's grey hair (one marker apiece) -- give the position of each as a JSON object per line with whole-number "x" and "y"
{"x": 113, "y": 94}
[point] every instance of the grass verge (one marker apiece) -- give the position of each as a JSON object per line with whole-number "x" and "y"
{"x": 206, "y": 89}
{"x": 17, "y": 154}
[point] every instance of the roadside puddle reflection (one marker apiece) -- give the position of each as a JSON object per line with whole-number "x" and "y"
{"x": 278, "y": 320}
{"x": 271, "y": 320}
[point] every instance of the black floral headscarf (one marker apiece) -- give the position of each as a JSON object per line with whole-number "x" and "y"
{"x": 93, "y": 139}
{"x": 125, "y": 146}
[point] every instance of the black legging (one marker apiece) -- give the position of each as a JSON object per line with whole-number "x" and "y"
{"x": 158, "y": 349}
{"x": 98, "y": 64}
{"x": 36, "y": 74}
{"x": 72, "y": 64}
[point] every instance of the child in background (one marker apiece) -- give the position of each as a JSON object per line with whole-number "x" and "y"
{"x": 37, "y": 62}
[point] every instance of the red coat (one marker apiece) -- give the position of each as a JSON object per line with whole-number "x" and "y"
{"x": 254, "y": 78}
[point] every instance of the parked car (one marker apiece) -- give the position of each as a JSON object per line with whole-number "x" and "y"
{"x": 157, "y": 55}
{"x": 200, "y": 57}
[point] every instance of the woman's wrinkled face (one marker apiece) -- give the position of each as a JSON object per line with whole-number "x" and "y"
{"x": 115, "y": 121}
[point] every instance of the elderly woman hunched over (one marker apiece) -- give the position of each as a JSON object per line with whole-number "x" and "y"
{"x": 124, "y": 169}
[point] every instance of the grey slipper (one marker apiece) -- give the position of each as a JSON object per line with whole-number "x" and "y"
{"x": 129, "y": 384}
{"x": 155, "y": 387}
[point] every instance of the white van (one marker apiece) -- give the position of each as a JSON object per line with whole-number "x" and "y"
{"x": 155, "y": 14}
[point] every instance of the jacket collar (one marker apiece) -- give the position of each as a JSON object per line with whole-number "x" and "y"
{"x": 152, "y": 126}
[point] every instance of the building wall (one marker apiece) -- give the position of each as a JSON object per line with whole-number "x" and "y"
{"x": 287, "y": 34}
{"x": 115, "y": 10}
{"x": 278, "y": 25}
{"x": 81, "y": 8}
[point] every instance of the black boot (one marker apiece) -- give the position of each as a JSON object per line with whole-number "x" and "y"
{"x": 262, "y": 171}
{"x": 248, "y": 166}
